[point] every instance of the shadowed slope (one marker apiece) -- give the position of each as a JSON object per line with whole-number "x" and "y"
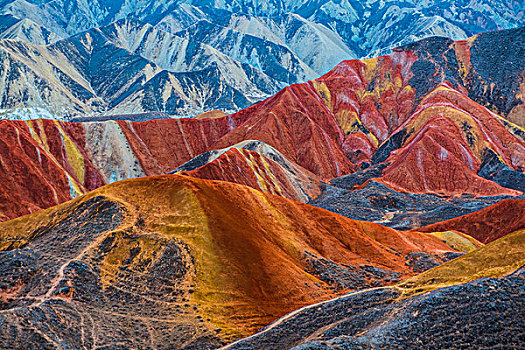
{"x": 184, "y": 256}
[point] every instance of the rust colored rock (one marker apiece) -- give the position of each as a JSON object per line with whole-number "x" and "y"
{"x": 162, "y": 145}
{"x": 31, "y": 180}
{"x": 298, "y": 124}
{"x": 41, "y": 167}
{"x": 273, "y": 174}
{"x": 432, "y": 112}
{"x": 488, "y": 224}
{"x": 446, "y": 139}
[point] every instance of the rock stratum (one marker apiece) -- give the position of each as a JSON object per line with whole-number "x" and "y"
{"x": 437, "y": 118}
{"x": 179, "y": 262}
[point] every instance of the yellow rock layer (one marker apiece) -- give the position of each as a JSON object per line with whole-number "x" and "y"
{"x": 497, "y": 259}
{"x": 458, "y": 241}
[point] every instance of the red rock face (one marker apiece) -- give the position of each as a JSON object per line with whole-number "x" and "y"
{"x": 488, "y": 224}
{"x": 370, "y": 98}
{"x": 30, "y": 179}
{"x": 40, "y": 167}
{"x": 164, "y": 144}
{"x": 297, "y": 123}
{"x": 443, "y": 150}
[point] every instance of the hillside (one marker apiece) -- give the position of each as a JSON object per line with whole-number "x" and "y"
{"x": 474, "y": 300}
{"x": 488, "y": 224}
{"x": 189, "y": 263}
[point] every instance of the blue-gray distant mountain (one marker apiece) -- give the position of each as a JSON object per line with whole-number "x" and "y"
{"x": 200, "y": 55}
{"x": 129, "y": 67}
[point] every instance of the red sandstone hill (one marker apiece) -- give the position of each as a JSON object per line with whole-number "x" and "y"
{"x": 258, "y": 165}
{"x": 488, "y": 224}
{"x": 444, "y": 144}
{"x": 434, "y": 113}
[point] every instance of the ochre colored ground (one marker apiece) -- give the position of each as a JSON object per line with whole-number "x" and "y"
{"x": 497, "y": 259}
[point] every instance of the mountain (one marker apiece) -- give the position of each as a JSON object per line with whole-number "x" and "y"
{"x": 474, "y": 300}
{"x": 315, "y": 44}
{"x": 174, "y": 261}
{"x": 258, "y": 48}
{"x": 412, "y": 121}
{"x": 15, "y": 28}
{"x": 275, "y": 60}
{"x": 365, "y": 26}
{"x": 185, "y": 53}
{"x": 124, "y": 68}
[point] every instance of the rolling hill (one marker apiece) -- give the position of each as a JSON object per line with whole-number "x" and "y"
{"x": 475, "y": 300}
{"x": 175, "y": 261}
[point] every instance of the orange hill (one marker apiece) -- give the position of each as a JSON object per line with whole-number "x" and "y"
{"x": 239, "y": 258}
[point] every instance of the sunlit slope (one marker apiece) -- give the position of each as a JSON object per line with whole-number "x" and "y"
{"x": 202, "y": 254}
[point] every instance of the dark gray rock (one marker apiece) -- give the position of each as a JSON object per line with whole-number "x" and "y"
{"x": 403, "y": 211}
{"x": 485, "y": 313}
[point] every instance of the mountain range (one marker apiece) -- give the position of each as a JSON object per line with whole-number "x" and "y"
{"x": 235, "y": 175}
{"x": 409, "y": 122}
{"x": 188, "y": 57}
